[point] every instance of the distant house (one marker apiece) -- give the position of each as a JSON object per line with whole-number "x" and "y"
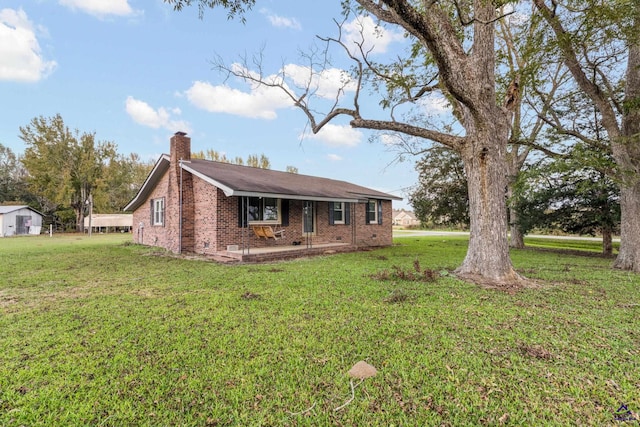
{"x": 105, "y": 223}
{"x": 213, "y": 208}
{"x": 19, "y": 220}
{"x": 405, "y": 218}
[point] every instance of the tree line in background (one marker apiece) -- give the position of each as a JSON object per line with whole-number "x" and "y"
{"x": 62, "y": 170}
{"x": 551, "y": 196}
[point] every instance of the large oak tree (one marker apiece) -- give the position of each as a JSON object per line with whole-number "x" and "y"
{"x": 455, "y": 43}
{"x": 592, "y": 37}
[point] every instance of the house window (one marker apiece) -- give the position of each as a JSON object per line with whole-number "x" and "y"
{"x": 338, "y": 213}
{"x": 157, "y": 211}
{"x": 264, "y": 209}
{"x": 374, "y": 212}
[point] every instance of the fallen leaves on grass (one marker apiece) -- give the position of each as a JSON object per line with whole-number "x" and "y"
{"x": 417, "y": 274}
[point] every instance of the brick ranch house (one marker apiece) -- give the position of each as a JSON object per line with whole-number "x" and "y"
{"x": 219, "y": 209}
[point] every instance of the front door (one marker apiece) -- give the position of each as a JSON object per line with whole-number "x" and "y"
{"x": 308, "y": 218}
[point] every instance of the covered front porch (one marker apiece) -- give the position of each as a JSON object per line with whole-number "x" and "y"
{"x": 281, "y": 252}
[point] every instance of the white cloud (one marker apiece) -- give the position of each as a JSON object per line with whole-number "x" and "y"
{"x": 513, "y": 16}
{"x": 337, "y": 135}
{"x": 327, "y": 83}
{"x": 375, "y": 39}
{"x": 142, "y": 113}
{"x": 20, "y": 56}
{"x": 389, "y": 139}
{"x": 100, "y": 8}
{"x": 436, "y": 105}
{"x": 334, "y": 157}
{"x": 280, "y": 21}
{"x": 261, "y": 102}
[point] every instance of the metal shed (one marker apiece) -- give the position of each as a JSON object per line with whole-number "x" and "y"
{"x": 19, "y": 220}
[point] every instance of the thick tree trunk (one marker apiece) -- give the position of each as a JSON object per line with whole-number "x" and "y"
{"x": 607, "y": 241}
{"x": 516, "y": 238}
{"x": 626, "y": 152}
{"x": 487, "y": 259}
{"x": 629, "y": 255}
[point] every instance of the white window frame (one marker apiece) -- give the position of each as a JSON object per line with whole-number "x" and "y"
{"x": 158, "y": 211}
{"x": 338, "y": 207}
{"x": 374, "y": 219}
{"x": 261, "y": 210}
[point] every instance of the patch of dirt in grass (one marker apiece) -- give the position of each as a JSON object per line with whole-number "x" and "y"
{"x": 509, "y": 285}
{"x": 7, "y": 300}
{"x": 535, "y": 351}
{"x": 528, "y": 271}
{"x": 250, "y": 295}
{"x": 397, "y": 296}
{"x": 628, "y": 305}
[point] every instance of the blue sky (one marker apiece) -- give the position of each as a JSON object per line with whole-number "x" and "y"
{"x": 135, "y": 71}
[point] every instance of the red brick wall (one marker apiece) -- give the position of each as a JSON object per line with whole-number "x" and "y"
{"x": 214, "y": 219}
{"x": 210, "y": 219}
{"x": 169, "y": 235}
{"x": 228, "y": 232}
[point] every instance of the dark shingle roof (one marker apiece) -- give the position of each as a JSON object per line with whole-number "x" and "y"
{"x": 236, "y": 180}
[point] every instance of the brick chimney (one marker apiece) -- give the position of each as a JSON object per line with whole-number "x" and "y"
{"x": 180, "y": 148}
{"x": 180, "y": 200}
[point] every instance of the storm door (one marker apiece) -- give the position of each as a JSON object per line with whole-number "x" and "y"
{"x": 308, "y": 218}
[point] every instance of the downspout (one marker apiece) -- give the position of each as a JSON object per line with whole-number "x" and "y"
{"x": 180, "y": 211}
{"x": 354, "y": 226}
{"x": 246, "y": 209}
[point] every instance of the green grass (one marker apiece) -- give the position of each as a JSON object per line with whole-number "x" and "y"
{"x": 104, "y": 333}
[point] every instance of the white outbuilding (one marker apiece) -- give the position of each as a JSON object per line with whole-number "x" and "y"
{"x": 105, "y": 223}
{"x": 19, "y": 220}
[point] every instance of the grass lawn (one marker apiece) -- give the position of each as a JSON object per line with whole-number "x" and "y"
{"x": 96, "y": 331}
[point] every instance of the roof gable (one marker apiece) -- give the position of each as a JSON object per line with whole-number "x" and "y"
{"x": 12, "y": 208}
{"x": 159, "y": 169}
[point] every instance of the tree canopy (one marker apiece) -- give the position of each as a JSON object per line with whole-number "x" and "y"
{"x": 65, "y": 169}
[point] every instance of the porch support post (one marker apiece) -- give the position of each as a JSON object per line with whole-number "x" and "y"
{"x": 246, "y": 237}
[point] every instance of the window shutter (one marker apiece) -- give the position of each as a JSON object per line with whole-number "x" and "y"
{"x": 242, "y": 213}
{"x": 366, "y": 212}
{"x": 379, "y": 204}
{"x": 331, "y": 211}
{"x": 164, "y": 212}
{"x": 151, "y": 210}
{"x": 284, "y": 210}
{"x": 347, "y": 213}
